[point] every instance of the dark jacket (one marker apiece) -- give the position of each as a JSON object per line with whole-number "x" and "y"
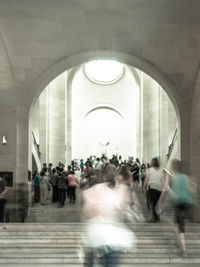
{"x": 62, "y": 181}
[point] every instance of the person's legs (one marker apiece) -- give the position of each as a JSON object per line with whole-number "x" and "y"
{"x": 70, "y": 194}
{"x": 109, "y": 259}
{"x": 35, "y": 194}
{"x": 45, "y": 196}
{"x": 2, "y": 205}
{"x": 89, "y": 258}
{"x": 42, "y": 195}
{"x": 180, "y": 225}
{"x": 154, "y": 197}
{"x": 148, "y": 199}
{"x": 63, "y": 196}
{"x": 54, "y": 194}
{"x": 113, "y": 259}
{"x": 60, "y": 196}
{"x": 38, "y": 193}
{"x": 74, "y": 194}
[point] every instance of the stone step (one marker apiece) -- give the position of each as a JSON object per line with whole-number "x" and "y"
{"x": 73, "y": 260}
{"x": 76, "y": 241}
{"x": 76, "y": 226}
{"x": 70, "y": 234}
{"x": 68, "y": 250}
{"x": 74, "y": 255}
{"x": 81, "y": 265}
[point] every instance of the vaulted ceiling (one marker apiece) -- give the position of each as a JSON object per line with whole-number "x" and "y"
{"x": 35, "y": 34}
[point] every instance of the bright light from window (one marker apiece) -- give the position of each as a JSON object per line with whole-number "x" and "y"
{"x": 104, "y": 71}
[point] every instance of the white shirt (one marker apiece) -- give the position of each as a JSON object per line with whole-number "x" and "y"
{"x": 98, "y": 166}
{"x": 156, "y": 178}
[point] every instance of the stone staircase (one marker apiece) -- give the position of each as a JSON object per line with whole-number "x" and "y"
{"x": 52, "y": 237}
{"x": 59, "y": 245}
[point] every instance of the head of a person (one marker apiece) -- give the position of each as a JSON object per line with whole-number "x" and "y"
{"x": 71, "y": 172}
{"x": 143, "y": 166}
{"x": 61, "y": 169}
{"x": 42, "y": 173}
{"x": 54, "y": 171}
{"x": 88, "y": 165}
{"x": 176, "y": 165}
{"x": 57, "y": 168}
{"x": 44, "y": 165}
{"x": 155, "y": 163}
{"x": 124, "y": 172}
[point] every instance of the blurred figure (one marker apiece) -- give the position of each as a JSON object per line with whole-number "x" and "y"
{"x": 155, "y": 181}
{"x": 110, "y": 171}
{"x": 182, "y": 195}
{"x": 136, "y": 170}
{"x": 88, "y": 171}
{"x": 36, "y": 182}
{"x": 44, "y": 167}
{"x": 98, "y": 171}
{"x": 82, "y": 165}
{"x": 3, "y": 198}
{"x": 72, "y": 184}
{"x": 143, "y": 173}
{"x": 69, "y": 167}
{"x": 44, "y": 184}
{"x": 62, "y": 187}
{"x": 125, "y": 182}
{"x": 54, "y": 183}
{"x": 107, "y": 237}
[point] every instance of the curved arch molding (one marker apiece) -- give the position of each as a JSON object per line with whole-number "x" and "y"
{"x": 103, "y": 106}
{"x": 66, "y": 63}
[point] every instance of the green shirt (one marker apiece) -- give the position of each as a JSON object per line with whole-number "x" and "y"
{"x": 36, "y": 180}
{"x": 180, "y": 188}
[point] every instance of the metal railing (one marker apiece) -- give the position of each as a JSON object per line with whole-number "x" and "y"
{"x": 37, "y": 147}
{"x": 171, "y": 146}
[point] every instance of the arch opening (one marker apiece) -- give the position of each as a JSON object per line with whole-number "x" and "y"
{"x": 60, "y": 90}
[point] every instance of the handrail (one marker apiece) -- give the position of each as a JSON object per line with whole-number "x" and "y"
{"x": 37, "y": 146}
{"x": 171, "y": 146}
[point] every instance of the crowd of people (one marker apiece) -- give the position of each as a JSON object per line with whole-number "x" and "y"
{"x": 106, "y": 188}
{"x": 62, "y": 182}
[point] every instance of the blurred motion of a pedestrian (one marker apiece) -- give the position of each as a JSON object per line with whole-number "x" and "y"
{"x": 107, "y": 237}
{"x": 182, "y": 194}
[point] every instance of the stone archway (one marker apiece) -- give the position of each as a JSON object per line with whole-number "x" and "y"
{"x": 81, "y": 58}
{"x": 23, "y": 151}
{"x": 195, "y": 129}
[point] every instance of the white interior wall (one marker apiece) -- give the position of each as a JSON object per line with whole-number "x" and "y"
{"x": 122, "y": 96}
{"x": 159, "y": 121}
{"x": 117, "y": 121}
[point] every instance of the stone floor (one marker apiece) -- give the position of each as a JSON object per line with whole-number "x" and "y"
{"x": 51, "y": 213}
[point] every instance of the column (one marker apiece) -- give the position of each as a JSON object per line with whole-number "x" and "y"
{"x": 68, "y": 119}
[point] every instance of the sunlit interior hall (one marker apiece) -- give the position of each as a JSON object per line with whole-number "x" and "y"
{"x": 88, "y": 80}
{"x": 103, "y": 102}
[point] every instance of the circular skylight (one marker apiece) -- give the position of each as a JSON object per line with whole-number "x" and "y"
{"x": 104, "y": 71}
